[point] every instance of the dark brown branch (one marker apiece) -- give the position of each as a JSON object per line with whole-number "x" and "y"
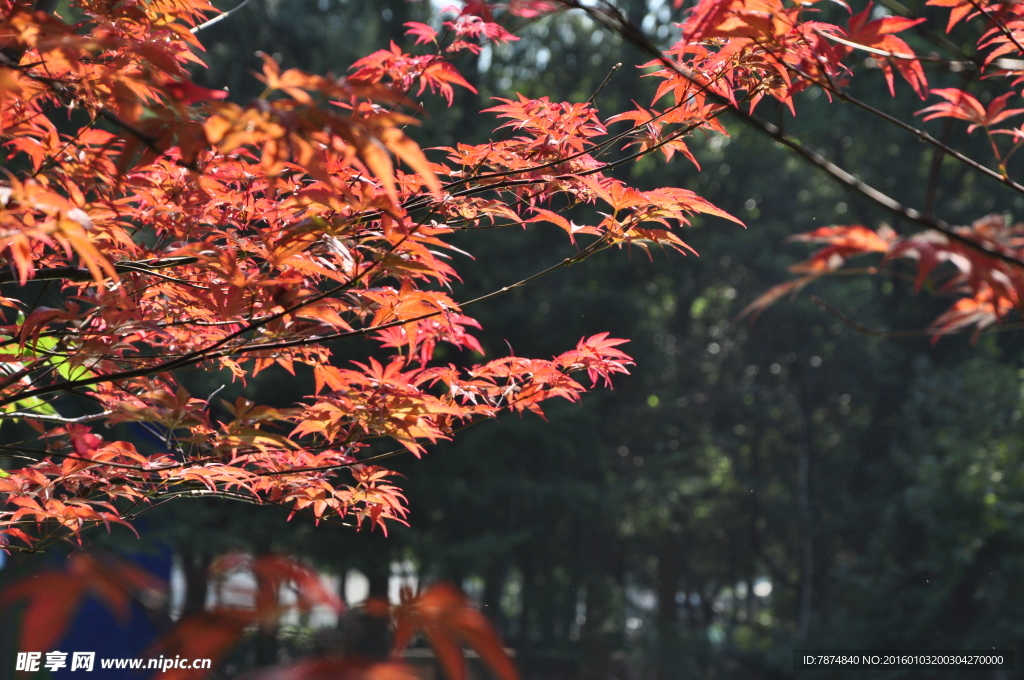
{"x": 938, "y": 155}
{"x": 1003, "y": 28}
{"x": 62, "y": 89}
{"x": 931, "y": 36}
{"x": 917, "y": 333}
{"x": 604, "y": 82}
{"x": 211, "y": 352}
{"x": 612, "y": 18}
{"x": 99, "y": 463}
{"x": 941, "y": 146}
{"x": 72, "y": 273}
{"x": 869, "y": 192}
{"x": 298, "y": 342}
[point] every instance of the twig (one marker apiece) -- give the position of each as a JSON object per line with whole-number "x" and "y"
{"x": 221, "y": 17}
{"x": 611, "y": 17}
{"x": 939, "y": 154}
{"x": 72, "y": 273}
{"x": 940, "y": 145}
{"x": 56, "y": 419}
{"x": 62, "y": 89}
{"x": 604, "y": 82}
{"x": 930, "y": 35}
{"x": 924, "y": 332}
{"x": 101, "y": 463}
{"x": 1002, "y": 26}
{"x": 285, "y": 344}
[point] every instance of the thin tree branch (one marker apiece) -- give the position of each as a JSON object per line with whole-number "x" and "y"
{"x": 940, "y": 146}
{"x": 1002, "y": 26}
{"x": 55, "y": 419}
{"x": 220, "y": 17}
{"x": 99, "y": 463}
{"x": 72, "y": 273}
{"x": 610, "y": 16}
{"x": 604, "y": 82}
{"x": 582, "y": 255}
{"x": 62, "y": 89}
{"x": 199, "y": 355}
{"x": 939, "y": 154}
{"x": 954, "y": 64}
{"x": 917, "y": 333}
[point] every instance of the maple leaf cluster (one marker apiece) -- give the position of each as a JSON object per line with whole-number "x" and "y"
{"x": 731, "y": 54}
{"x": 987, "y": 288}
{"x": 981, "y": 265}
{"x": 174, "y": 229}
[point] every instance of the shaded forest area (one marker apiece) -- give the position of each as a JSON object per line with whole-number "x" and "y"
{"x": 755, "y": 485}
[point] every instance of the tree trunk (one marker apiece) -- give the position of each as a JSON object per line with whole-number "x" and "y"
{"x": 494, "y": 583}
{"x": 669, "y": 572}
{"x": 806, "y": 539}
{"x": 267, "y": 644}
{"x": 598, "y": 636}
{"x": 195, "y": 567}
{"x": 367, "y": 636}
